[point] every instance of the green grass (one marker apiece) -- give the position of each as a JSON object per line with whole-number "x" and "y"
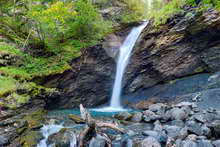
{"x": 7, "y": 85}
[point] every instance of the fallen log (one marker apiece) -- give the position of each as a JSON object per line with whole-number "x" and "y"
{"x": 94, "y": 128}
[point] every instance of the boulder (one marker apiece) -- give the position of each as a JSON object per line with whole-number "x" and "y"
{"x": 216, "y": 127}
{"x": 178, "y": 114}
{"x": 123, "y": 116}
{"x": 172, "y": 131}
{"x": 188, "y": 143}
{"x": 150, "y": 142}
{"x": 216, "y": 143}
{"x": 63, "y": 138}
{"x": 204, "y": 143}
{"x": 97, "y": 141}
{"x": 137, "y": 117}
{"x": 150, "y": 116}
{"x": 3, "y": 141}
{"x": 159, "y": 136}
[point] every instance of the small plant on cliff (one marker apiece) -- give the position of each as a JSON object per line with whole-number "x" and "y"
{"x": 161, "y": 12}
{"x": 135, "y": 10}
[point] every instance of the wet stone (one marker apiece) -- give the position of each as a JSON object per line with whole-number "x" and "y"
{"x": 159, "y": 136}
{"x": 126, "y": 142}
{"x": 150, "y": 116}
{"x": 172, "y": 131}
{"x": 123, "y": 116}
{"x": 158, "y": 108}
{"x": 97, "y": 141}
{"x": 137, "y": 117}
{"x": 178, "y": 114}
{"x": 194, "y": 127}
{"x": 188, "y": 143}
{"x": 204, "y": 143}
{"x": 216, "y": 128}
{"x": 150, "y": 142}
{"x": 200, "y": 118}
{"x": 3, "y": 141}
{"x": 178, "y": 123}
{"x": 157, "y": 126}
{"x": 216, "y": 143}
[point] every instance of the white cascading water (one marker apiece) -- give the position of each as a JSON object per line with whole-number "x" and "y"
{"x": 123, "y": 59}
{"x": 48, "y": 130}
{"x": 124, "y": 55}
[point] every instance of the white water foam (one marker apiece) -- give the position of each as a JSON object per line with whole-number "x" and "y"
{"x": 48, "y": 130}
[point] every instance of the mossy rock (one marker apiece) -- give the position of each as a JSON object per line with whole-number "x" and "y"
{"x": 31, "y": 139}
{"x": 35, "y": 119}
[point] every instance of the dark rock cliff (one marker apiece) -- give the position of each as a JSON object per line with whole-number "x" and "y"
{"x": 187, "y": 45}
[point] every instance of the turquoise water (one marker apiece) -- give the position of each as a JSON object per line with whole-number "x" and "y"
{"x": 65, "y": 112}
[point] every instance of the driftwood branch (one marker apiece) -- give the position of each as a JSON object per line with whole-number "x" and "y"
{"x": 94, "y": 127}
{"x": 111, "y": 126}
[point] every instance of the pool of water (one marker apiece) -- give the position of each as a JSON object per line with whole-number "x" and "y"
{"x": 96, "y": 112}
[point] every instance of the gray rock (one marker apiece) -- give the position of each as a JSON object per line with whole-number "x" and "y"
{"x": 200, "y": 118}
{"x": 204, "y": 143}
{"x": 172, "y": 131}
{"x": 192, "y": 137}
{"x": 137, "y": 117}
{"x": 216, "y": 143}
{"x": 178, "y": 142}
{"x": 205, "y": 130}
{"x": 194, "y": 127}
{"x": 183, "y": 133}
{"x": 157, "y": 126}
{"x": 150, "y": 142}
{"x": 161, "y": 137}
{"x": 123, "y": 116}
{"x": 3, "y": 141}
{"x": 158, "y": 108}
{"x": 62, "y": 139}
{"x": 188, "y": 143}
{"x": 216, "y": 127}
{"x": 201, "y": 137}
{"x": 126, "y": 142}
{"x": 97, "y": 141}
{"x": 178, "y": 114}
{"x": 150, "y": 116}
{"x": 178, "y": 123}
{"x": 189, "y": 104}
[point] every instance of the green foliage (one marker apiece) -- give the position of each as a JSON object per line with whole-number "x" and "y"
{"x": 65, "y": 21}
{"x": 88, "y": 25}
{"x": 160, "y": 15}
{"x": 135, "y": 11}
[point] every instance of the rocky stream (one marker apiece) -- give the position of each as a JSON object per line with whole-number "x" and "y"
{"x": 171, "y": 92}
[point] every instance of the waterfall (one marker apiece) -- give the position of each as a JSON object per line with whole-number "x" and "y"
{"x": 123, "y": 59}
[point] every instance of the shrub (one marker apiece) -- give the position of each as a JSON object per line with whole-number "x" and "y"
{"x": 164, "y": 11}
{"x": 135, "y": 10}
{"x": 64, "y": 21}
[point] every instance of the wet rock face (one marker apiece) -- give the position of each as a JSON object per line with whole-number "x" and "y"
{"x": 183, "y": 47}
{"x": 90, "y": 81}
